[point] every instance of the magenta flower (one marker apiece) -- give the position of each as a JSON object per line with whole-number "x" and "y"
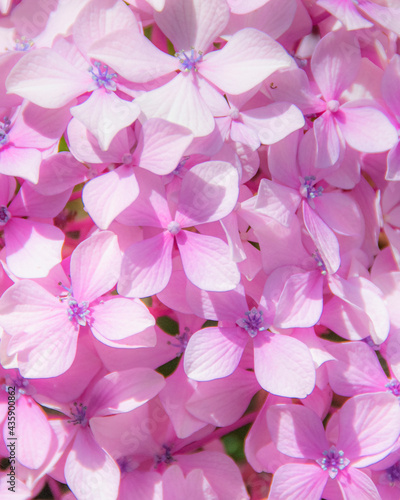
{"x": 364, "y": 432}
{"x": 45, "y": 327}
{"x": 208, "y": 192}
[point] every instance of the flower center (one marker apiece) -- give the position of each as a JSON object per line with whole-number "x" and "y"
{"x": 23, "y": 44}
{"x": 102, "y": 77}
{"x": 181, "y": 341}
{"x": 393, "y": 474}
{"x": 165, "y": 457}
{"x": 332, "y": 105}
{"x": 173, "y": 227}
{"x": 307, "y": 189}
{"x": 189, "y": 62}
{"x": 21, "y": 385}
{"x": 78, "y": 412}
{"x": 333, "y": 461}
{"x": 4, "y": 130}
{"x": 252, "y": 322}
{"x": 320, "y": 262}
{"x": 78, "y": 312}
{"x": 394, "y": 387}
{"x": 125, "y": 465}
{"x": 5, "y": 215}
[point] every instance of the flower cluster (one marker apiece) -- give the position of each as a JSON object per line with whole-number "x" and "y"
{"x": 200, "y": 231}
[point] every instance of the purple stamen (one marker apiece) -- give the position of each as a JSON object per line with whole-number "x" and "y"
{"x": 23, "y": 44}
{"x": 252, "y": 322}
{"x": 165, "y": 457}
{"x": 182, "y": 341}
{"x": 102, "y": 77}
{"x": 78, "y": 312}
{"x": 189, "y": 63}
{"x": 333, "y": 461}
{"x": 320, "y": 262}
{"x": 5, "y": 215}
{"x": 4, "y": 130}
{"x": 308, "y": 190}
{"x": 79, "y": 414}
{"x": 125, "y": 465}
{"x": 393, "y": 474}
{"x": 21, "y": 385}
{"x": 394, "y": 387}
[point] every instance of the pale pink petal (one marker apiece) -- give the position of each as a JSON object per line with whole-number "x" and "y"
{"x": 298, "y": 482}
{"x": 329, "y": 143}
{"x": 133, "y": 56}
{"x": 222, "y": 402}
{"x": 277, "y": 201}
{"x": 151, "y": 207}
{"x": 120, "y": 392}
{"x": 206, "y": 262}
{"x": 161, "y": 145}
{"x": 271, "y": 16}
{"x": 347, "y": 12}
{"x": 47, "y": 79}
{"x": 209, "y": 192}
{"x": 95, "y": 266}
{"x": 275, "y": 121}
{"x": 33, "y": 248}
{"x": 335, "y": 63}
{"x": 173, "y": 397}
{"x": 33, "y": 432}
{"x": 341, "y": 213}
{"x": 60, "y": 172}
{"x": 292, "y": 85}
{"x": 362, "y": 300}
{"x": 323, "y": 238}
{"x": 283, "y": 365}
{"x": 85, "y": 147}
{"x": 104, "y": 114}
{"x": 98, "y": 19}
{"x": 297, "y": 431}
{"x": 353, "y": 123}
{"x": 282, "y": 161}
{"x": 368, "y": 425}
{"x": 27, "y": 307}
{"x": 39, "y": 128}
{"x": 29, "y": 203}
{"x": 356, "y": 369}
{"x": 106, "y": 196}
{"x": 20, "y": 162}
{"x": 146, "y": 266}
{"x": 244, "y": 134}
{"x": 390, "y": 83}
{"x": 145, "y": 486}
{"x": 179, "y": 101}
{"x": 300, "y": 303}
{"x": 245, "y": 7}
{"x": 393, "y": 164}
{"x": 192, "y": 23}
{"x": 195, "y": 487}
{"x": 45, "y": 355}
{"x": 90, "y": 472}
{"x": 220, "y": 471}
{"x": 386, "y": 16}
{"x": 119, "y": 318}
{"x": 216, "y": 306}
{"x": 356, "y": 484}
{"x": 214, "y": 353}
{"x": 247, "y": 59}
